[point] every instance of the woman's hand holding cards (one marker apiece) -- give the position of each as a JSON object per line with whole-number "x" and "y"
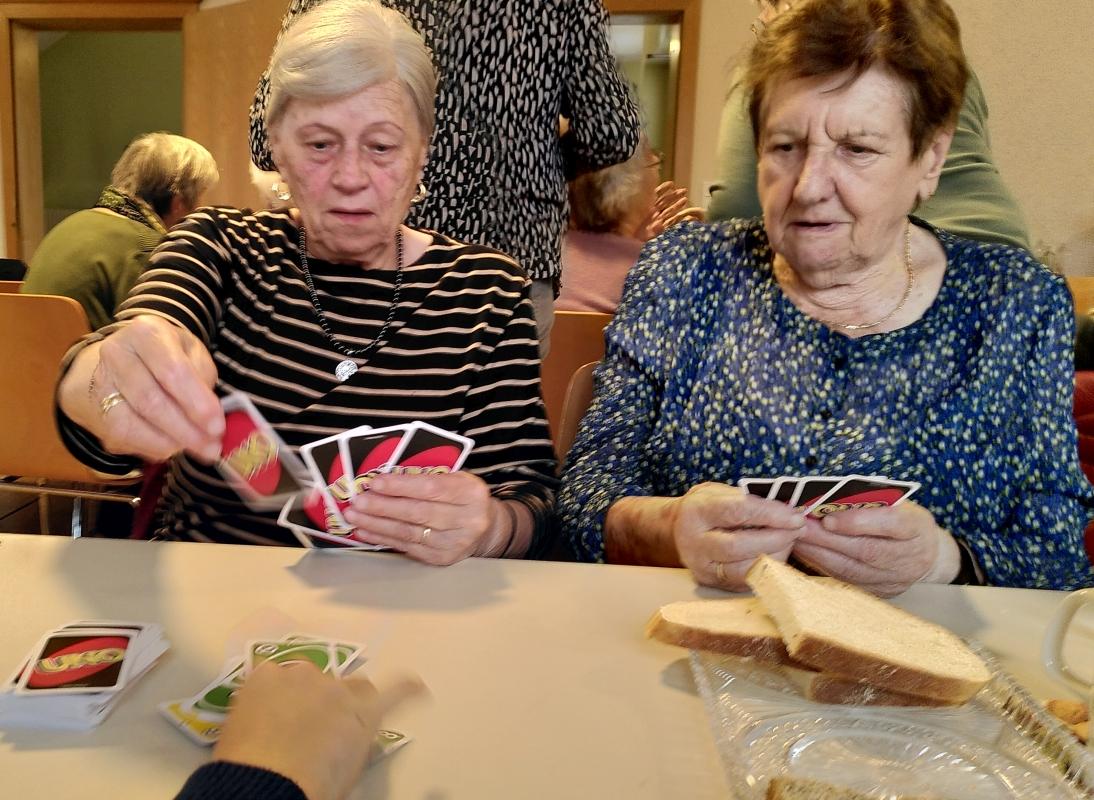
{"x": 439, "y": 519}
{"x": 884, "y": 550}
{"x": 146, "y": 390}
{"x": 720, "y": 530}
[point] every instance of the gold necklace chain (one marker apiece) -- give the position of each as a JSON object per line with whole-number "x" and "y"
{"x": 907, "y": 289}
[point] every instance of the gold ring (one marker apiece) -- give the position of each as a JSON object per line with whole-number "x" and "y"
{"x": 425, "y": 535}
{"x": 108, "y": 402}
{"x": 720, "y": 571}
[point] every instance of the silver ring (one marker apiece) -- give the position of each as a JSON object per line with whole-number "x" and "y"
{"x": 108, "y": 402}
{"x": 425, "y": 535}
{"x": 720, "y": 571}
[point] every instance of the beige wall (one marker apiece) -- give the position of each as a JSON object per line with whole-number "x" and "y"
{"x": 1036, "y": 63}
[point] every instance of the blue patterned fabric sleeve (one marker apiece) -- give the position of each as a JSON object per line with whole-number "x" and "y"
{"x": 1041, "y": 544}
{"x": 608, "y": 459}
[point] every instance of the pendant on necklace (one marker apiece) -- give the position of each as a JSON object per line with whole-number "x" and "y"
{"x": 345, "y": 369}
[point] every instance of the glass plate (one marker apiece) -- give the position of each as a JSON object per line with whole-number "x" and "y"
{"x": 998, "y": 746}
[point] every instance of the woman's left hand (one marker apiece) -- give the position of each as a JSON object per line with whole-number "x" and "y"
{"x": 884, "y": 550}
{"x": 439, "y": 519}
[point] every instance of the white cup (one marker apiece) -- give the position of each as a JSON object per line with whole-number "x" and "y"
{"x": 1052, "y": 651}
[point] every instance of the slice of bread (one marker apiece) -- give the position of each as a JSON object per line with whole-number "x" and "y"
{"x": 808, "y": 789}
{"x": 824, "y": 688}
{"x": 737, "y": 626}
{"x": 839, "y": 629}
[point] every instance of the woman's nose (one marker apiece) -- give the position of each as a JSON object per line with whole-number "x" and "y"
{"x": 815, "y": 180}
{"x": 351, "y": 172}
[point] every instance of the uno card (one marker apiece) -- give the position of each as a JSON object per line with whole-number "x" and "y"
{"x": 344, "y": 653}
{"x": 253, "y": 458}
{"x": 812, "y": 489}
{"x": 215, "y": 698}
{"x": 426, "y": 449}
{"x": 199, "y": 729}
{"x": 784, "y": 489}
{"x": 368, "y": 453}
{"x": 861, "y": 491}
{"x": 756, "y": 486}
{"x": 320, "y": 653}
{"x": 299, "y": 520}
{"x": 387, "y": 742}
{"x": 323, "y": 459}
{"x": 85, "y": 661}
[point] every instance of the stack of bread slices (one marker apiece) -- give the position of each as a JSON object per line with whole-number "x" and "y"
{"x": 837, "y": 643}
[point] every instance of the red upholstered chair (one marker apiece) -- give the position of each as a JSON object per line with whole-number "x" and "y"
{"x": 1084, "y": 424}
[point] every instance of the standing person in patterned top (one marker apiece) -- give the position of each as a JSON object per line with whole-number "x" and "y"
{"x": 276, "y": 303}
{"x": 838, "y": 335}
{"x": 498, "y": 167}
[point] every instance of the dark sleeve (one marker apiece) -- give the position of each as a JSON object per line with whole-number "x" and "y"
{"x": 604, "y": 123}
{"x": 609, "y": 460}
{"x": 505, "y": 416}
{"x": 223, "y": 780}
{"x": 735, "y": 193}
{"x": 1040, "y": 544}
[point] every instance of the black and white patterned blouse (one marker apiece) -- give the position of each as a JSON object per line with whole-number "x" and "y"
{"x": 507, "y": 69}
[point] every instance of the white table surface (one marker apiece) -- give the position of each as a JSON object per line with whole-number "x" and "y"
{"x": 543, "y": 684}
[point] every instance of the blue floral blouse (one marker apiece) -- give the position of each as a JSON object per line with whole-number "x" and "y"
{"x": 712, "y": 374}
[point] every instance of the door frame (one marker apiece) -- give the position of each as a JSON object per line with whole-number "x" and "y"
{"x": 18, "y": 109}
{"x": 685, "y": 13}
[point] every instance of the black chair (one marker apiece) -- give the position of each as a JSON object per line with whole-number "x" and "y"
{"x": 12, "y": 269}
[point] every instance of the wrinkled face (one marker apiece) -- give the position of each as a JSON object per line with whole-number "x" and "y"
{"x": 836, "y": 175}
{"x": 352, "y": 165}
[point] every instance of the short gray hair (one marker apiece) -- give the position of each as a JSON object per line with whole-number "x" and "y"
{"x": 342, "y": 46}
{"x": 601, "y": 200}
{"x": 159, "y": 166}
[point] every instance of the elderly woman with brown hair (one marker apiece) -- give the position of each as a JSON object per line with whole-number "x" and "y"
{"x": 838, "y": 335}
{"x": 330, "y": 315}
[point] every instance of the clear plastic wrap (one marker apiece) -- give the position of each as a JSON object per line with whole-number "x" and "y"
{"x": 1000, "y": 745}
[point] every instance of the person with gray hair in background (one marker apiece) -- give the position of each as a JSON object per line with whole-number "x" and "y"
{"x": 96, "y": 255}
{"x": 330, "y": 315}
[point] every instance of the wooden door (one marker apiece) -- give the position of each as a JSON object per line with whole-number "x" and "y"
{"x": 225, "y": 49}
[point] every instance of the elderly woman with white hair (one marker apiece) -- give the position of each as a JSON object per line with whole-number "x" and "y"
{"x": 330, "y": 315}
{"x": 96, "y": 255}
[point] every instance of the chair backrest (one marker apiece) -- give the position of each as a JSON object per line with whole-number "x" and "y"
{"x": 579, "y": 394}
{"x": 10, "y": 287}
{"x": 1082, "y": 292}
{"x": 576, "y": 338}
{"x": 35, "y": 332}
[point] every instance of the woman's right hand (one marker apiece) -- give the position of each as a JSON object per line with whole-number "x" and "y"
{"x": 720, "y": 530}
{"x": 164, "y": 376}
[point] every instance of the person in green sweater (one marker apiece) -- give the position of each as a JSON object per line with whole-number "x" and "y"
{"x": 971, "y": 199}
{"x": 96, "y": 255}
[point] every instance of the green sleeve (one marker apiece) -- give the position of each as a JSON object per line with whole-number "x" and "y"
{"x": 735, "y": 193}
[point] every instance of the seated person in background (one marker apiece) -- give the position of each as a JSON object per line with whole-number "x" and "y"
{"x": 96, "y": 255}
{"x": 294, "y": 733}
{"x": 971, "y": 199}
{"x": 838, "y": 335}
{"x": 613, "y": 211}
{"x": 330, "y": 315}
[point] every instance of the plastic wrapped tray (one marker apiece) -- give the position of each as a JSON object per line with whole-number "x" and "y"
{"x": 1000, "y": 745}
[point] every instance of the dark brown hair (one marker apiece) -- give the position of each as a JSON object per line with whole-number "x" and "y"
{"x": 919, "y": 41}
